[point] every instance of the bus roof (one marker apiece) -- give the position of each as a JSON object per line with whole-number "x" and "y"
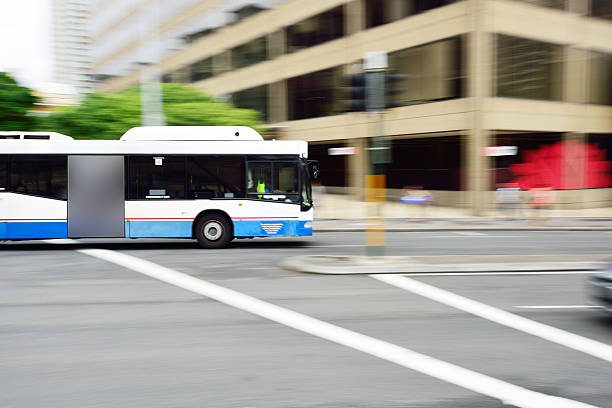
{"x": 227, "y": 133}
{"x": 159, "y": 140}
{"x": 122, "y": 147}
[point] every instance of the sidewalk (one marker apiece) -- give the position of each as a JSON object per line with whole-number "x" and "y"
{"x": 341, "y": 213}
{"x": 467, "y": 224}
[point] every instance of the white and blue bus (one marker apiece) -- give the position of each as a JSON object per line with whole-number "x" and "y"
{"x": 208, "y": 183}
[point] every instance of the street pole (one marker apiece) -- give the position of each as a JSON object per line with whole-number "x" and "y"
{"x": 375, "y": 66}
{"x": 151, "y": 105}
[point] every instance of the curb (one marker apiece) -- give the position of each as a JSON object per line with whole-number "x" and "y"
{"x": 343, "y": 265}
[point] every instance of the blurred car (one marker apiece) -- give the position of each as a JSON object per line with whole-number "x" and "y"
{"x": 600, "y": 288}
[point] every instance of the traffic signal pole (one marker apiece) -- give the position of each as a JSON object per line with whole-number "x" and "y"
{"x": 375, "y": 66}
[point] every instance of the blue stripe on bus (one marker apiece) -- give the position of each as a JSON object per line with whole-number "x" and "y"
{"x": 271, "y": 228}
{"x": 35, "y": 230}
{"x": 158, "y": 229}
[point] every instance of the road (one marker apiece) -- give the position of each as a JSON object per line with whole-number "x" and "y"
{"x": 84, "y": 331}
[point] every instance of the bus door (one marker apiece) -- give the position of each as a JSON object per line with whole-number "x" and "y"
{"x": 96, "y": 197}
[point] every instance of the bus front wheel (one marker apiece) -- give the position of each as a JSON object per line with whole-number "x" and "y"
{"x": 213, "y": 231}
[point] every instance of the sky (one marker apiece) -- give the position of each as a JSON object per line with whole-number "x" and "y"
{"x": 26, "y": 41}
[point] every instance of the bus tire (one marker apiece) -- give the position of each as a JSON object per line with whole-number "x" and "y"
{"x": 213, "y": 231}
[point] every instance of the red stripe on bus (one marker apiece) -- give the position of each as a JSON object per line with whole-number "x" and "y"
{"x": 34, "y": 219}
{"x": 264, "y": 218}
{"x": 132, "y": 219}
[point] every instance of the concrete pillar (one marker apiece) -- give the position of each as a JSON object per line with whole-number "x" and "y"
{"x": 278, "y": 101}
{"x": 579, "y": 6}
{"x": 575, "y": 90}
{"x": 277, "y": 43}
{"x": 480, "y": 70}
{"x": 354, "y": 17}
{"x": 357, "y": 168}
{"x": 396, "y": 9}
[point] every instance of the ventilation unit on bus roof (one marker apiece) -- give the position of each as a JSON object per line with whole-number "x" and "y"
{"x": 195, "y": 133}
{"x": 33, "y": 136}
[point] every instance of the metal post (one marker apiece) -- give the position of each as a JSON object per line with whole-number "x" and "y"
{"x": 379, "y": 152}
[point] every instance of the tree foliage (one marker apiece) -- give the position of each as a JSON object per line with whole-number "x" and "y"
{"x": 108, "y": 116}
{"x": 15, "y": 102}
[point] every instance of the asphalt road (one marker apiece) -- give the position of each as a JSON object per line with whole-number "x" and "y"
{"x": 79, "y": 331}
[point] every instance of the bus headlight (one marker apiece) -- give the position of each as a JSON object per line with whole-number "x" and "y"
{"x": 308, "y": 224}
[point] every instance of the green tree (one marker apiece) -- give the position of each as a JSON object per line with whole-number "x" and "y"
{"x": 108, "y": 116}
{"x": 15, "y": 102}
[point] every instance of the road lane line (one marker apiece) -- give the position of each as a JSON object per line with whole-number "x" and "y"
{"x": 476, "y": 236}
{"x": 560, "y": 307}
{"x": 470, "y": 233}
{"x": 567, "y": 339}
{"x": 509, "y": 394}
{"x": 500, "y": 273}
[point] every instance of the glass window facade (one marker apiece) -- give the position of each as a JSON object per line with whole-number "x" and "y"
{"x": 201, "y": 70}
{"x": 428, "y": 163}
{"x": 432, "y": 72}
{"x": 250, "y": 53}
{"x": 315, "y": 94}
{"x": 334, "y": 169}
{"x": 601, "y": 9}
{"x": 380, "y": 12}
{"x": 315, "y": 30}
{"x": 556, "y": 4}
{"x": 253, "y": 98}
{"x": 600, "y": 86}
{"x": 529, "y": 69}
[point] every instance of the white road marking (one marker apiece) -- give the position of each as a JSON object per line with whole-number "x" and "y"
{"x": 470, "y": 233}
{"x": 476, "y": 236}
{"x": 560, "y": 307}
{"x": 336, "y": 246}
{"x": 508, "y": 393}
{"x": 567, "y": 339}
{"x": 500, "y": 273}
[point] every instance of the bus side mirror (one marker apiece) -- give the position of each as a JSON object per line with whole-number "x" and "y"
{"x": 314, "y": 165}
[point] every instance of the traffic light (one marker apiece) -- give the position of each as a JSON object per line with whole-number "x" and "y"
{"x": 354, "y": 91}
{"x": 393, "y": 90}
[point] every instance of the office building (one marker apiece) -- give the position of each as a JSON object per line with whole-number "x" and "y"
{"x": 535, "y": 74}
{"x": 72, "y": 45}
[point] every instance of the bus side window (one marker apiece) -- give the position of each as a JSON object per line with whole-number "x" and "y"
{"x": 156, "y": 177}
{"x": 273, "y": 180}
{"x": 39, "y": 175}
{"x": 215, "y": 177}
{"x": 3, "y": 172}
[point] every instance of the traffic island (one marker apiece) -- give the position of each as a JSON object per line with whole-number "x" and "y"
{"x": 367, "y": 265}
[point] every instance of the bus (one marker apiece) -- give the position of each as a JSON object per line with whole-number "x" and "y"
{"x": 209, "y": 183}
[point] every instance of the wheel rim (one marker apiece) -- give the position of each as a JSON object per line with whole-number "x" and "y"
{"x": 213, "y": 230}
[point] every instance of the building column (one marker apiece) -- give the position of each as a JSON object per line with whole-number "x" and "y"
{"x": 277, "y": 43}
{"x": 357, "y": 168}
{"x": 575, "y": 85}
{"x": 354, "y": 17}
{"x": 480, "y": 70}
{"x": 278, "y": 102}
{"x": 277, "y": 91}
{"x": 578, "y": 6}
{"x": 354, "y": 22}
